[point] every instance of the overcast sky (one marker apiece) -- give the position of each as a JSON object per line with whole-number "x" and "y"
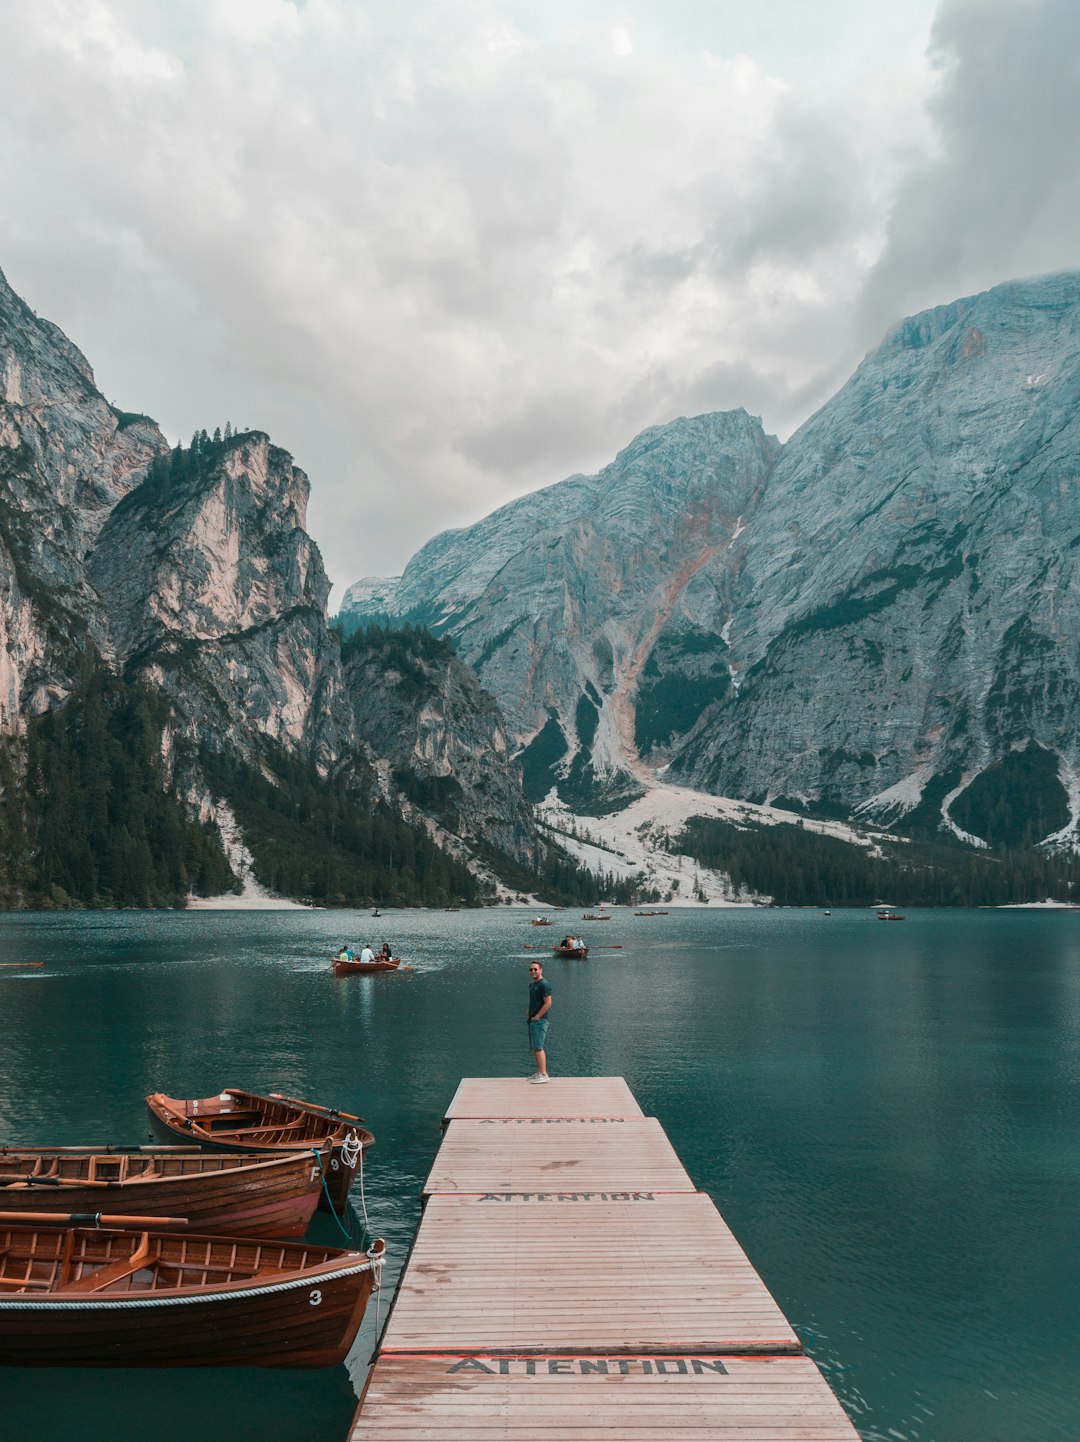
{"x": 448, "y": 251}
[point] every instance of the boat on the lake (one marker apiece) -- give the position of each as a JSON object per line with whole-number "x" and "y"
{"x": 242, "y": 1194}
{"x": 242, "y": 1121}
{"x": 588, "y": 916}
{"x": 541, "y": 921}
{"x": 578, "y": 953}
{"x": 348, "y": 968}
{"x": 94, "y": 1297}
{"x": 890, "y": 916}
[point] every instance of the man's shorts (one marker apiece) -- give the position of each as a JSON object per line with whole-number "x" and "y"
{"x": 538, "y": 1034}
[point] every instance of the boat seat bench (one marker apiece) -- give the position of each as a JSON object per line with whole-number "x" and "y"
{"x": 103, "y": 1277}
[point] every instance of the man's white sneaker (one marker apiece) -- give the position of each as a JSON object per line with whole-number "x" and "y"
{"x": 539, "y": 1077}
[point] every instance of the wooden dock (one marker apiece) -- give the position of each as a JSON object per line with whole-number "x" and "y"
{"x": 568, "y": 1282}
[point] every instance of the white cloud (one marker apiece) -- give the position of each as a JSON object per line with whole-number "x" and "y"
{"x": 447, "y": 252}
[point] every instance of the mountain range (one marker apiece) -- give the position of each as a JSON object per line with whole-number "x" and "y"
{"x": 876, "y": 620}
{"x": 868, "y": 632}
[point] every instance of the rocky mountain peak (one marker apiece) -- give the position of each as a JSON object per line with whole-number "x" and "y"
{"x": 876, "y": 615}
{"x": 212, "y": 545}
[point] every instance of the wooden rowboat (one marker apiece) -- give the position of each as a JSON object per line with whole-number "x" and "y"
{"x": 238, "y": 1193}
{"x": 577, "y": 952}
{"x": 88, "y": 1297}
{"x": 241, "y": 1121}
{"x": 349, "y": 968}
{"x": 541, "y": 921}
{"x": 588, "y": 916}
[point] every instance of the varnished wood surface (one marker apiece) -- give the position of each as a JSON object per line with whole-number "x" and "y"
{"x": 529, "y": 1154}
{"x": 89, "y": 1297}
{"x": 492, "y": 1398}
{"x": 242, "y": 1194}
{"x": 603, "y": 1096}
{"x": 575, "y": 1272}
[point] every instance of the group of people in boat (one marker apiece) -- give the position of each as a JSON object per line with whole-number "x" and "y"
{"x": 572, "y": 943}
{"x": 364, "y": 953}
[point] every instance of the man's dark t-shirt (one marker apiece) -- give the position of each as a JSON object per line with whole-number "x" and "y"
{"x": 538, "y": 992}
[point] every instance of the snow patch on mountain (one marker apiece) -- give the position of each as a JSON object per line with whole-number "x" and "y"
{"x": 633, "y": 842}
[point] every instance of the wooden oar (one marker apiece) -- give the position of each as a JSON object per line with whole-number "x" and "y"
{"x": 90, "y": 1219}
{"x": 315, "y": 1107}
{"x": 15, "y": 1177}
{"x": 22, "y": 963}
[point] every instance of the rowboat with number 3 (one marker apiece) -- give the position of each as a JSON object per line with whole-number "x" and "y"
{"x": 93, "y": 1297}
{"x": 242, "y": 1121}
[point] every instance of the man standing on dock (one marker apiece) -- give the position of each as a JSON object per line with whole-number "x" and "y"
{"x": 539, "y": 1006}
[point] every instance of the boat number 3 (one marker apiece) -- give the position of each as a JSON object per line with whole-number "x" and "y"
{"x": 315, "y": 1298}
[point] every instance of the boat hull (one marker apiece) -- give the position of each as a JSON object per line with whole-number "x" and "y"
{"x": 577, "y": 953}
{"x": 362, "y": 968}
{"x": 309, "y": 1319}
{"x": 235, "y": 1194}
{"x": 205, "y": 1123}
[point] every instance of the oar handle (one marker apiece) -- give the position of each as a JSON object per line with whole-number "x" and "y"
{"x": 8, "y": 1177}
{"x": 315, "y": 1107}
{"x": 91, "y": 1219}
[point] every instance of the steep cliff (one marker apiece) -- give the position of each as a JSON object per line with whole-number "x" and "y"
{"x": 865, "y": 620}
{"x": 66, "y": 458}
{"x": 214, "y": 591}
{"x": 563, "y": 600}
{"x": 909, "y": 603}
{"x": 175, "y": 597}
{"x": 422, "y": 712}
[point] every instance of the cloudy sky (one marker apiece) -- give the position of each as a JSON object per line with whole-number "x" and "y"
{"x": 450, "y": 250}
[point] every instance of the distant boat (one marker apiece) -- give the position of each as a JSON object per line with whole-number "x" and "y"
{"x": 591, "y": 916}
{"x": 349, "y": 968}
{"x": 888, "y": 915}
{"x": 96, "y": 1297}
{"x": 376, "y": 912}
{"x": 541, "y": 921}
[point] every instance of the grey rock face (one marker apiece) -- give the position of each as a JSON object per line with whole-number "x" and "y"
{"x": 214, "y": 589}
{"x": 909, "y": 601}
{"x": 559, "y": 599}
{"x": 194, "y": 571}
{"x": 889, "y": 598}
{"x": 66, "y": 458}
{"x": 424, "y": 712}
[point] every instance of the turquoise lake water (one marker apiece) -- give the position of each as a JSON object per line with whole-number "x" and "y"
{"x": 887, "y": 1116}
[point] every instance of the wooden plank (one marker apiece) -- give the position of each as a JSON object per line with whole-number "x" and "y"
{"x": 592, "y": 1096}
{"x": 573, "y": 1398}
{"x": 557, "y": 1154}
{"x": 651, "y": 1272}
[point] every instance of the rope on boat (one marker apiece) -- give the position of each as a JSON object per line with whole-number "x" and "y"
{"x": 376, "y": 1282}
{"x": 352, "y": 1155}
{"x": 329, "y": 1199}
